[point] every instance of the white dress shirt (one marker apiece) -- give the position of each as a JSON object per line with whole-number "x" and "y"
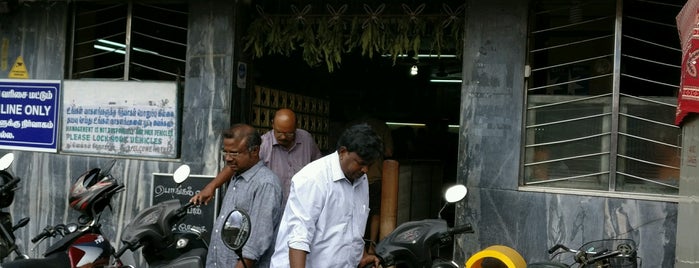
{"x": 325, "y": 216}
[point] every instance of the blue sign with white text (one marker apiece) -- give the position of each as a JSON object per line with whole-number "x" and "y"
{"x": 29, "y": 115}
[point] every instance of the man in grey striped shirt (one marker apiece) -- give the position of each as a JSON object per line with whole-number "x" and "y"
{"x": 255, "y": 189}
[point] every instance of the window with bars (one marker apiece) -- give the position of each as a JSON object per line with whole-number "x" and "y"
{"x": 601, "y": 96}
{"x": 132, "y": 40}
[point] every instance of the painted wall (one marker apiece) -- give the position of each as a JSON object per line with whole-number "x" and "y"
{"x": 37, "y": 31}
{"x": 490, "y": 146}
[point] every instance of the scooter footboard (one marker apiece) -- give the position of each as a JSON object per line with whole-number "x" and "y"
{"x": 195, "y": 258}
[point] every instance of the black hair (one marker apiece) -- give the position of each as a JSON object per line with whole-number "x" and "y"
{"x": 251, "y": 136}
{"x": 362, "y": 140}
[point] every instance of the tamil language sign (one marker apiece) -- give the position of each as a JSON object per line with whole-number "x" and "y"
{"x": 28, "y": 115}
{"x": 202, "y": 217}
{"x": 120, "y": 118}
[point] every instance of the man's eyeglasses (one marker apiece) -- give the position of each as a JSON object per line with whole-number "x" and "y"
{"x": 285, "y": 134}
{"x": 225, "y": 154}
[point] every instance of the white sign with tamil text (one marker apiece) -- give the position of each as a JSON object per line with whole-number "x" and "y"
{"x": 120, "y": 118}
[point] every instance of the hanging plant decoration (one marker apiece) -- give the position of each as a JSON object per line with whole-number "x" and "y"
{"x": 330, "y": 36}
{"x": 256, "y": 38}
{"x": 409, "y": 32}
{"x": 326, "y": 37}
{"x": 373, "y": 35}
{"x": 455, "y": 23}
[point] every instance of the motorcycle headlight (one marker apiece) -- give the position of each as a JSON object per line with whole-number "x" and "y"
{"x": 181, "y": 243}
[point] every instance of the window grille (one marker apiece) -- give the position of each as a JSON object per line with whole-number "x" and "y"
{"x": 601, "y": 96}
{"x": 128, "y": 41}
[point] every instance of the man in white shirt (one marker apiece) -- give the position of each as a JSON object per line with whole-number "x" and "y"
{"x": 326, "y": 213}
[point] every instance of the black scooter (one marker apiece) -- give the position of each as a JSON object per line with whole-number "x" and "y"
{"x": 416, "y": 244}
{"x": 8, "y": 185}
{"x": 152, "y": 230}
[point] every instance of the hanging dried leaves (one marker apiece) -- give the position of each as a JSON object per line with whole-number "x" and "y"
{"x": 326, "y": 37}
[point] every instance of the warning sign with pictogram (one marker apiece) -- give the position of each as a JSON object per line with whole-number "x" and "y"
{"x": 19, "y": 70}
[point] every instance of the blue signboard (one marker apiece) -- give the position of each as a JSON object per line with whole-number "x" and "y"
{"x": 29, "y": 115}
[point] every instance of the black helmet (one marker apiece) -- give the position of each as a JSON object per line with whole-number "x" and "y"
{"x": 7, "y": 196}
{"x": 89, "y": 192}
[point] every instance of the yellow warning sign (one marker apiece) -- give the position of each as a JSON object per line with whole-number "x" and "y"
{"x": 19, "y": 70}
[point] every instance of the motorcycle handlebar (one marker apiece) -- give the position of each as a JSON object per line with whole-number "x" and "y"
{"x": 9, "y": 185}
{"x": 556, "y": 247}
{"x": 465, "y": 228}
{"x": 50, "y": 231}
{"x": 39, "y": 237}
{"x": 182, "y": 210}
{"x": 125, "y": 247}
{"x": 598, "y": 257}
{"x": 45, "y": 233}
{"x": 20, "y": 224}
{"x": 445, "y": 237}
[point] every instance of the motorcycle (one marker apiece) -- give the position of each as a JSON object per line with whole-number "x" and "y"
{"x": 82, "y": 243}
{"x": 152, "y": 230}
{"x": 599, "y": 253}
{"x": 8, "y": 185}
{"x": 416, "y": 244}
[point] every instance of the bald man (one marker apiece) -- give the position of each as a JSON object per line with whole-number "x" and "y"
{"x": 285, "y": 150}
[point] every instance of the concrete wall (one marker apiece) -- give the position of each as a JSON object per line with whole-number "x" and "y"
{"x": 490, "y": 153}
{"x": 488, "y": 161}
{"x": 37, "y": 31}
{"x": 688, "y": 244}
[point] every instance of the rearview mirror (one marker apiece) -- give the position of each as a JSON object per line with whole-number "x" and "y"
{"x": 181, "y": 174}
{"x": 455, "y": 193}
{"x": 452, "y": 195}
{"x": 236, "y": 230}
{"x": 6, "y": 160}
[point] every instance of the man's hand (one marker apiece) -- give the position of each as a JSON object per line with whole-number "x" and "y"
{"x": 369, "y": 259}
{"x": 206, "y": 194}
{"x": 203, "y": 197}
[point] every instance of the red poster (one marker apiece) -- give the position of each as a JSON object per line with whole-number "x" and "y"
{"x": 688, "y": 28}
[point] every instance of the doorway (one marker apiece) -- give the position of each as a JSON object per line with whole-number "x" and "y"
{"x": 423, "y": 115}
{"x": 417, "y": 94}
